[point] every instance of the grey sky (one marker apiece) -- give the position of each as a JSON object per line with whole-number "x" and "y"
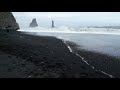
{"x": 68, "y": 18}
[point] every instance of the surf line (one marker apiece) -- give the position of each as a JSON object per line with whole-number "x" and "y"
{"x": 111, "y": 76}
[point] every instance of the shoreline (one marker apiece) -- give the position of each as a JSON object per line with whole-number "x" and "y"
{"x": 103, "y": 62}
{"x": 44, "y": 57}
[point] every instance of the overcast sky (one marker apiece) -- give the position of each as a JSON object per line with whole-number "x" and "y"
{"x": 68, "y": 18}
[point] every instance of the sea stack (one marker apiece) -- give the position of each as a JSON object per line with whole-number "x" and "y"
{"x": 7, "y": 21}
{"x": 33, "y": 23}
{"x": 52, "y": 24}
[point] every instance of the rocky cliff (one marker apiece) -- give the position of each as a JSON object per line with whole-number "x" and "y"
{"x": 7, "y": 21}
{"x": 33, "y": 23}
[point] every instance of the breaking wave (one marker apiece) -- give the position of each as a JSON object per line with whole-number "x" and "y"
{"x": 64, "y": 29}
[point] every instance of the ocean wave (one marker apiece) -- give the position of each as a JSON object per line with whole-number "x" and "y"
{"x": 64, "y": 29}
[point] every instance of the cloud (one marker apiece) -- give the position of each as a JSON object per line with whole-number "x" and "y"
{"x": 76, "y": 18}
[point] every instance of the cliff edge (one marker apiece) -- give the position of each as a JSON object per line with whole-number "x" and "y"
{"x": 7, "y": 21}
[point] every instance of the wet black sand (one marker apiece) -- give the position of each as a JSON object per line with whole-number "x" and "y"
{"x": 106, "y": 63}
{"x": 28, "y": 56}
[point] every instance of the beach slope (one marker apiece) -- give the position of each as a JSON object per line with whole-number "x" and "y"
{"x": 28, "y": 56}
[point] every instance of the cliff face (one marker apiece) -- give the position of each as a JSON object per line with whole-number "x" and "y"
{"x": 33, "y": 23}
{"x": 7, "y": 21}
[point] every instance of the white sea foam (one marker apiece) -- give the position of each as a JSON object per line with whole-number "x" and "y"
{"x": 70, "y": 49}
{"x": 64, "y": 29}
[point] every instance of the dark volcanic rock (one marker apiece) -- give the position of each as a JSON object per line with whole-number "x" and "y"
{"x": 33, "y": 23}
{"x": 53, "y": 24}
{"x": 7, "y": 21}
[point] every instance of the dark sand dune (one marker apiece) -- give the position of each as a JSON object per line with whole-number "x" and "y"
{"x": 30, "y": 56}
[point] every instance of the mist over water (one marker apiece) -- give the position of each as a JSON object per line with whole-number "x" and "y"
{"x": 102, "y": 40}
{"x": 76, "y": 27}
{"x": 65, "y": 29}
{"x": 69, "y": 19}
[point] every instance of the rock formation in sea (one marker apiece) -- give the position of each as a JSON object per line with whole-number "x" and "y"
{"x": 7, "y": 21}
{"x": 33, "y": 23}
{"x": 52, "y": 24}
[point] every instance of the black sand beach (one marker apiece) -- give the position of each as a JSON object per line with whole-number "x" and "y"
{"x": 28, "y": 56}
{"x": 99, "y": 61}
